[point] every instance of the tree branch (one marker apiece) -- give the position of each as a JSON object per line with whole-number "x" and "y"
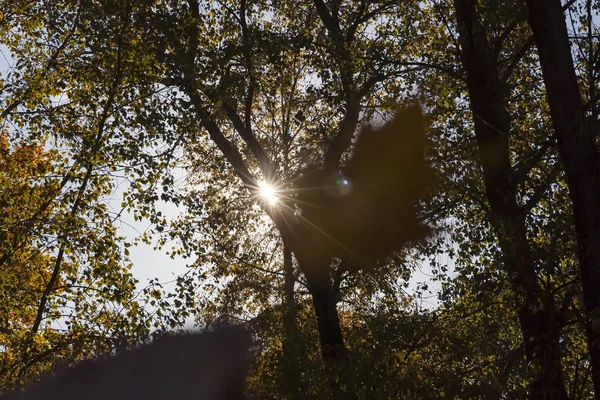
{"x": 542, "y": 187}
{"x": 249, "y": 138}
{"x": 231, "y": 153}
{"x": 520, "y": 170}
{"x": 342, "y": 140}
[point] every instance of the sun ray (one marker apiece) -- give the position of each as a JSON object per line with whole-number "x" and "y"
{"x": 286, "y": 209}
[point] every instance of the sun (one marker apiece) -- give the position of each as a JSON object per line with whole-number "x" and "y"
{"x": 268, "y": 193}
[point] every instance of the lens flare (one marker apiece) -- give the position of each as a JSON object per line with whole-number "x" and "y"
{"x": 337, "y": 185}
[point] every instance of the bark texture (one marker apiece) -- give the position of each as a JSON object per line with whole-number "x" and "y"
{"x": 579, "y": 152}
{"x": 540, "y": 328}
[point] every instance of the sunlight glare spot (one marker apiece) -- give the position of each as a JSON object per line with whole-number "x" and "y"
{"x": 268, "y": 193}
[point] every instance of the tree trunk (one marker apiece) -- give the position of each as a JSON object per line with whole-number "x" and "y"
{"x": 291, "y": 380}
{"x": 537, "y": 313}
{"x": 328, "y": 321}
{"x": 579, "y": 154}
{"x": 317, "y": 273}
{"x": 325, "y": 299}
{"x": 316, "y": 270}
{"x": 330, "y": 334}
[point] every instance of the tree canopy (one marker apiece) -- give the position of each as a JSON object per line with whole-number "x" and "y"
{"x": 390, "y": 135}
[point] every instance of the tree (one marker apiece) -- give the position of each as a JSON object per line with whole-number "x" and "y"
{"x": 225, "y": 94}
{"x": 576, "y": 138}
{"x": 493, "y": 46}
{"x": 67, "y": 293}
{"x": 538, "y": 315}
